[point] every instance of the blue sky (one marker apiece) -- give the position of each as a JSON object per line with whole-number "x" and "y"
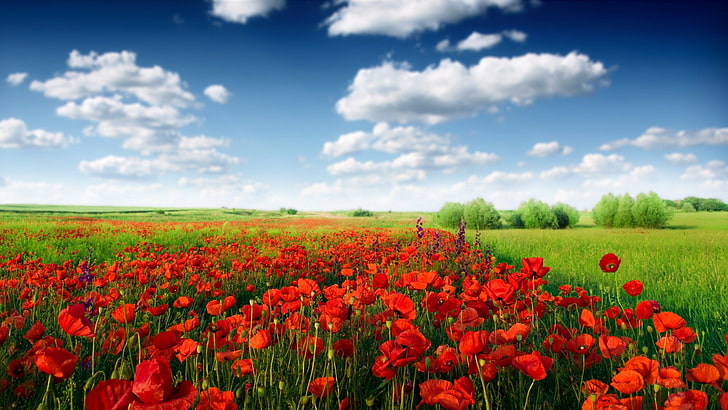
{"x": 396, "y": 105}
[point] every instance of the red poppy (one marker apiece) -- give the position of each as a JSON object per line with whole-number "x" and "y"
{"x": 648, "y": 368}
{"x": 401, "y": 304}
{"x": 35, "y": 332}
{"x": 595, "y": 386}
{"x": 609, "y": 263}
{"x": 611, "y": 346}
{"x": 215, "y": 399}
{"x": 458, "y": 395}
{"x": 646, "y": 308}
{"x": 670, "y": 377}
{"x": 533, "y": 365}
{"x": 633, "y": 287}
{"x": 667, "y": 320}
{"x": 321, "y": 386}
{"x": 262, "y": 339}
{"x": 473, "y": 342}
{"x": 242, "y": 367}
{"x": 158, "y": 310}
{"x": 670, "y": 344}
{"x": 4, "y": 332}
{"x": 703, "y": 373}
{"x": 691, "y": 399}
{"x": 628, "y": 381}
{"x": 183, "y": 302}
{"x": 124, "y": 313}
{"x": 56, "y": 361}
{"x": 721, "y": 363}
{"x": 73, "y": 321}
{"x": 344, "y": 348}
{"x": 581, "y": 344}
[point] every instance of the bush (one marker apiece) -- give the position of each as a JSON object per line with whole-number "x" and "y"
{"x": 514, "y": 220}
{"x": 537, "y": 215}
{"x": 650, "y": 211}
{"x": 450, "y": 215}
{"x": 624, "y": 218}
{"x": 566, "y": 216}
{"x": 479, "y": 214}
{"x": 605, "y": 210}
{"x": 687, "y": 207}
{"x": 362, "y": 212}
{"x": 291, "y": 211}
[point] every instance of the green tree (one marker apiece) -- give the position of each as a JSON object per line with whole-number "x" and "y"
{"x": 537, "y": 215}
{"x": 687, "y": 207}
{"x": 450, "y": 215}
{"x": 514, "y": 220}
{"x": 649, "y": 211}
{"x": 623, "y": 217}
{"x": 480, "y": 214}
{"x": 604, "y": 211}
{"x": 566, "y": 216}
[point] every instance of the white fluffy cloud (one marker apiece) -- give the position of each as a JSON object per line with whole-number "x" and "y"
{"x": 402, "y": 18}
{"x": 657, "y": 138}
{"x": 681, "y": 158}
{"x": 503, "y": 178}
{"x": 113, "y": 166}
{"x": 478, "y": 41}
{"x": 449, "y": 90}
{"x": 16, "y": 78}
{"x": 712, "y": 171}
{"x": 218, "y": 93}
{"x": 548, "y": 149}
{"x": 416, "y": 149}
{"x": 114, "y": 72}
{"x": 15, "y": 134}
{"x": 239, "y": 11}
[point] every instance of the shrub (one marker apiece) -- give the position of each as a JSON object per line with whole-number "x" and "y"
{"x": 479, "y": 214}
{"x": 450, "y": 215}
{"x": 291, "y": 211}
{"x": 566, "y": 216}
{"x": 514, "y": 220}
{"x": 605, "y": 210}
{"x": 537, "y": 215}
{"x": 623, "y": 218}
{"x": 362, "y": 212}
{"x": 650, "y": 211}
{"x": 687, "y": 207}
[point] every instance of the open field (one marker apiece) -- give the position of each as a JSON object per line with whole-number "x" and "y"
{"x": 323, "y": 309}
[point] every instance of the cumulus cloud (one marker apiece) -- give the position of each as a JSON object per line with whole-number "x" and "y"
{"x": 658, "y": 138}
{"x": 239, "y": 11}
{"x": 218, "y": 93}
{"x": 624, "y": 181}
{"x": 548, "y": 149}
{"x": 681, "y": 158}
{"x": 115, "y": 72}
{"x": 478, "y": 41}
{"x": 16, "y": 78}
{"x": 226, "y": 184}
{"x": 503, "y": 178}
{"x": 712, "y": 171}
{"x": 450, "y": 90}
{"x": 402, "y": 18}
{"x": 113, "y": 166}
{"x": 15, "y": 134}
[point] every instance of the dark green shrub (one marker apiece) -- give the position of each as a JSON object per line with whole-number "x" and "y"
{"x": 450, "y": 215}
{"x": 566, "y": 216}
{"x": 537, "y": 215}
{"x": 479, "y": 214}
{"x": 650, "y": 211}
{"x": 362, "y": 212}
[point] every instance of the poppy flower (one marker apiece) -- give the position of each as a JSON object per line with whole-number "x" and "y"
{"x": 721, "y": 363}
{"x": 35, "y": 332}
{"x": 473, "y": 342}
{"x": 242, "y": 367}
{"x": 321, "y": 387}
{"x": 648, "y": 368}
{"x": 449, "y": 395}
{"x": 703, "y": 373}
{"x": 56, "y": 361}
{"x": 4, "y": 332}
{"x": 633, "y": 287}
{"x": 670, "y": 344}
{"x": 73, "y": 321}
{"x": 646, "y": 308}
{"x": 609, "y": 263}
{"x": 691, "y": 399}
{"x": 667, "y": 320}
{"x": 262, "y": 339}
{"x": 533, "y": 365}
{"x": 581, "y": 344}
{"x": 628, "y": 382}
{"x": 124, "y": 313}
{"x": 670, "y": 377}
{"x": 595, "y": 386}
{"x": 611, "y": 346}
{"x": 215, "y": 399}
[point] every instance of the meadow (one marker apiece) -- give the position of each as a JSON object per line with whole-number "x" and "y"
{"x": 224, "y": 308}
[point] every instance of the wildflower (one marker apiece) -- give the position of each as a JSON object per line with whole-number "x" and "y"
{"x": 449, "y": 395}
{"x": 124, "y": 313}
{"x": 533, "y": 365}
{"x": 609, "y": 263}
{"x": 73, "y": 321}
{"x": 321, "y": 387}
{"x": 633, "y": 287}
{"x": 215, "y": 399}
{"x": 56, "y": 361}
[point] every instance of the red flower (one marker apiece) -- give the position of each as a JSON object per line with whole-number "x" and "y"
{"x": 609, "y": 263}
{"x": 124, "y": 313}
{"x": 691, "y": 399}
{"x": 669, "y": 377}
{"x": 242, "y": 367}
{"x": 667, "y": 320}
{"x": 611, "y": 346}
{"x": 628, "y": 381}
{"x": 35, "y": 332}
{"x": 458, "y": 395}
{"x": 633, "y": 287}
{"x": 703, "y": 373}
{"x": 670, "y": 344}
{"x": 74, "y": 322}
{"x": 721, "y": 363}
{"x": 581, "y": 344}
{"x": 56, "y": 361}
{"x": 321, "y": 386}
{"x": 648, "y": 368}
{"x": 473, "y": 342}
{"x": 215, "y": 399}
{"x": 533, "y": 365}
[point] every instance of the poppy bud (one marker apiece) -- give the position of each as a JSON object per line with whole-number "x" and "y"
{"x": 650, "y": 329}
{"x": 330, "y": 354}
{"x": 281, "y": 385}
{"x": 205, "y": 384}
{"x": 304, "y": 400}
{"x": 388, "y": 323}
{"x": 645, "y": 350}
{"x": 656, "y": 387}
{"x": 239, "y": 392}
{"x": 261, "y": 390}
{"x": 369, "y": 401}
{"x": 125, "y": 372}
{"x": 199, "y": 349}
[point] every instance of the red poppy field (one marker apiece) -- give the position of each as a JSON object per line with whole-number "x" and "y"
{"x": 326, "y": 314}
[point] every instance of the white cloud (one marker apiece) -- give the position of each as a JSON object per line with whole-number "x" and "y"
{"x": 450, "y": 90}
{"x": 218, "y": 93}
{"x": 16, "y": 78}
{"x": 658, "y": 138}
{"x": 680, "y": 158}
{"x": 598, "y": 164}
{"x": 115, "y": 73}
{"x": 223, "y": 185}
{"x": 113, "y": 166}
{"x": 625, "y": 181}
{"x": 501, "y": 178}
{"x": 548, "y": 149}
{"x": 516, "y": 35}
{"x": 39, "y": 192}
{"x": 402, "y": 18}
{"x": 478, "y": 41}
{"x": 202, "y": 142}
{"x": 443, "y": 46}
{"x": 15, "y": 134}
{"x": 713, "y": 171}
{"x": 239, "y": 11}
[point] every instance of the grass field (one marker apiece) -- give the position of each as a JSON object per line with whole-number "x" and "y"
{"x": 683, "y": 267}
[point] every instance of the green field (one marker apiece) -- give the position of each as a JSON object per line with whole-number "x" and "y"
{"x": 684, "y": 267}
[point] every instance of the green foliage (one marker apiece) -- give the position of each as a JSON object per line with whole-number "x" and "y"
{"x": 537, "y": 215}
{"x": 291, "y": 211}
{"x": 687, "y": 207}
{"x": 566, "y": 216}
{"x": 450, "y": 215}
{"x": 479, "y": 214}
{"x": 650, "y": 211}
{"x": 706, "y": 204}
{"x": 624, "y": 218}
{"x": 362, "y": 212}
{"x": 514, "y": 220}
{"x": 605, "y": 210}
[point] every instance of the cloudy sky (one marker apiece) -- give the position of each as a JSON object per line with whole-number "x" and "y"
{"x": 379, "y": 104}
